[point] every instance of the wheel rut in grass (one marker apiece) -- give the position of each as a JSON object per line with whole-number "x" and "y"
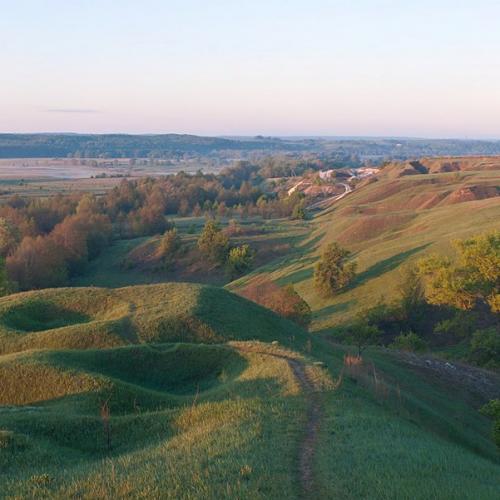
{"x": 313, "y": 421}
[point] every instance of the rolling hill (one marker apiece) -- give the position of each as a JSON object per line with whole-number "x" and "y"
{"x": 180, "y": 390}
{"x": 388, "y": 221}
{"x": 84, "y": 318}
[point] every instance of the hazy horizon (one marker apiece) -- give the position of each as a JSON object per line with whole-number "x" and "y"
{"x": 325, "y": 69}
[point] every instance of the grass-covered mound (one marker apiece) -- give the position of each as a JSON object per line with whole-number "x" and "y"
{"x": 84, "y": 318}
{"x": 132, "y": 376}
{"x": 185, "y": 421}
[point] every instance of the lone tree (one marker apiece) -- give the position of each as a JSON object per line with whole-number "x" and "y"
{"x": 362, "y": 334}
{"x": 333, "y": 273}
{"x": 169, "y": 245}
{"x": 10, "y": 237}
{"x": 213, "y": 242}
{"x": 239, "y": 260}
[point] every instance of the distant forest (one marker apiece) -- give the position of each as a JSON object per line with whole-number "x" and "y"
{"x": 178, "y": 146}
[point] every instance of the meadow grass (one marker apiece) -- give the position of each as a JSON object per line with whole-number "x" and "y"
{"x": 422, "y": 440}
{"x": 235, "y": 436}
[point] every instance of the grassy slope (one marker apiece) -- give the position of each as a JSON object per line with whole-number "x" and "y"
{"x": 168, "y": 439}
{"x": 96, "y": 317}
{"x": 385, "y": 226}
{"x": 414, "y": 439}
{"x": 270, "y": 239}
{"x": 226, "y": 422}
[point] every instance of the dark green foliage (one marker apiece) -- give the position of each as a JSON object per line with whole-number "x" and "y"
{"x": 362, "y": 334}
{"x": 492, "y": 409}
{"x": 213, "y": 243}
{"x": 168, "y": 246}
{"x": 299, "y": 211}
{"x": 333, "y": 273}
{"x": 409, "y": 342}
{"x": 239, "y": 260}
{"x": 485, "y": 347}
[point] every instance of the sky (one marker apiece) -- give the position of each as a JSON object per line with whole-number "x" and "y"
{"x": 232, "y": 67}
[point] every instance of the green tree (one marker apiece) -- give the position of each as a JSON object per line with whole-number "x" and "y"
{"x": 213, "y": 242}
{"x": 473, "y": 277}
{"x": 5, "y": 287}
{"x": 362, "y": 334}
{"x": 485, "y": 347}
{"x": 409, "y": 342}
{"x": 299, "y": 211}
{"x": 333, "y": 273}
{"x": 239, "y": 260}
{"x": 168, "y": 246}
{"x": 10, "y": 236}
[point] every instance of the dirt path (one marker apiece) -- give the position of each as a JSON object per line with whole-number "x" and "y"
{"x": 328, "y": 201}
{"x": 314, "y": 414}
{"x": 313, "y": 421}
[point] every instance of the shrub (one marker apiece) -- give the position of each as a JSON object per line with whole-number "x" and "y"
{"x": 168, "y": 247}
{"x": 492, "y": 409}
{"x": 485, "y": 347}
{"x": 410, "y": 342}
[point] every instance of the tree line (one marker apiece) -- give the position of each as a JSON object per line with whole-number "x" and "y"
{"x": 46, "y": 241}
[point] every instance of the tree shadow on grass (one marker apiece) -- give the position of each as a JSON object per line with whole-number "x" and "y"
{"x": 384, "y": 266}
{"x": 333, "y": 309}
{"x": 296, "y": 277}
{"x": 312, "y": 244}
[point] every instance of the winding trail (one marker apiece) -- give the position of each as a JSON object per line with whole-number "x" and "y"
{"x": 328, "y": 201}
{"x": 313, "y": 421}
{"x": 314, "y": 415}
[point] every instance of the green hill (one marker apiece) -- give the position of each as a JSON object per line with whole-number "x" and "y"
{"x": 156, "y": 391}
{"x": 83, "y": 318}
{"x": 387, "y": 222}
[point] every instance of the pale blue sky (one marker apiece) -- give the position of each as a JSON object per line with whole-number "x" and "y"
{"x": 338, "y": 67}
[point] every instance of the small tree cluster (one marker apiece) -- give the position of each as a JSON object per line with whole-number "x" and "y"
{"x": 472, "y": 278}
{"x": 214, "y": 244}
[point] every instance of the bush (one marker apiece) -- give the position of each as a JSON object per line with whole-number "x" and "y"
{"x": 485, "y": 347}
{"x": 410, "y": 342}
{"x": 492, "y": 409}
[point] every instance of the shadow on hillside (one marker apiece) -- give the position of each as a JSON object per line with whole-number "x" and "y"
{"x": 313, "y": 244}
{"x": 384, "y": 266}
{"x": 296, "y": 277}
{"x": 333, "y": 309}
